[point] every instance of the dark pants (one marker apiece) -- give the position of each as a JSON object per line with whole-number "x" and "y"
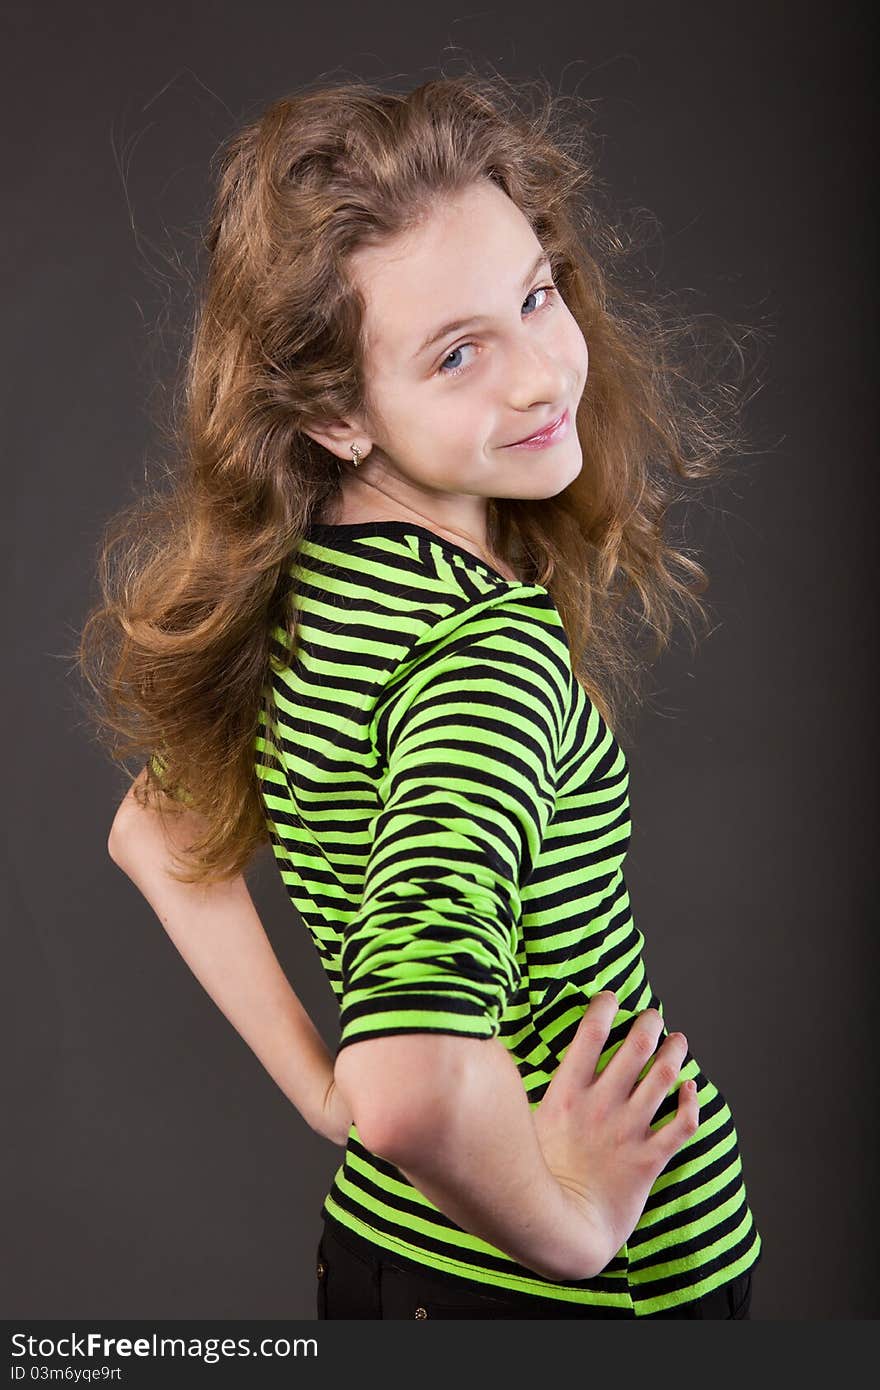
{"x": 356, "y": 1279}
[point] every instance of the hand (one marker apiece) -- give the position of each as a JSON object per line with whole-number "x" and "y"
{"x": 594, "y": 1129}
{"x": 336, "y": 1116}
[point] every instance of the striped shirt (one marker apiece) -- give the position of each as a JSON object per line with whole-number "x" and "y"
{"x": 449, "y": 813}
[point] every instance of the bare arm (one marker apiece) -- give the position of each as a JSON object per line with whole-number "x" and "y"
{"x": 452, "y": 1114}
{"x": 218, "y": 932}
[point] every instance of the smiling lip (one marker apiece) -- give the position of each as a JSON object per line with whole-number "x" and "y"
{"x": 548, "y": 435}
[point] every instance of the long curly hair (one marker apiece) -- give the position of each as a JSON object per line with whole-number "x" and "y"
{"x": 177, "y": 653}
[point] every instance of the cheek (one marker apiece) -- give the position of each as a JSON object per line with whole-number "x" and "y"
{"x": 457, "y": 415}
{"x": 577, "y": 346}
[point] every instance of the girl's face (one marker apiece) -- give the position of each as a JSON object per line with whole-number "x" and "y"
{"x": 469, "y": 348}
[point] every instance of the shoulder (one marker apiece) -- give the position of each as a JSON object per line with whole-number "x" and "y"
{"x": 392, "y": 563}
{"x": 399, "y": 601}
{"x": 509, "y": 621}
{"x": 501, "y": 665}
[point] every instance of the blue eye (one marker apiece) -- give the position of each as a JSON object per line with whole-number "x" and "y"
{"x": 549, "y": 290}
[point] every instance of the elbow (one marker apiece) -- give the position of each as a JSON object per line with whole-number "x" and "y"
{"x": 114, "y": 843}
{"x": 399, "y": 1108}
{"x": 400, "y": 1131}
{"x": 119, "y": 836}
{"x": 361, "y": 1078}
{"x": 398, "y": 1135}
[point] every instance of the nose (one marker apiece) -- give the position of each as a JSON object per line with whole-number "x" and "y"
{"x": 536, "y": 377}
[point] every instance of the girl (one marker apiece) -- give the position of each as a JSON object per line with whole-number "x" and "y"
{"x": 379, "y": 625}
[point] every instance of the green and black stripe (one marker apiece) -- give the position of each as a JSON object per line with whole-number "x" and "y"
{"x": 450, "y": 815}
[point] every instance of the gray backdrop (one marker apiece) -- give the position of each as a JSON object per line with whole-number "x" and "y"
{"x": 152, "y": 1169}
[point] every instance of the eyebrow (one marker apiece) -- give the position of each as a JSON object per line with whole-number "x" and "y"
{"x": 459, "y": 324}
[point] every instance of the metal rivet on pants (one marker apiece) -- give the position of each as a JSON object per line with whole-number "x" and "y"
{"x": 321, "y": 1270}
{"x": 421, "y": 1312}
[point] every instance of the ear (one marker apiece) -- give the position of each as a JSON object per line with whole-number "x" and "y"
{"x": 338, "y": 436}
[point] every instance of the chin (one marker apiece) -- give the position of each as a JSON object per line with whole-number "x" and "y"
{"x": 542, "y": 481}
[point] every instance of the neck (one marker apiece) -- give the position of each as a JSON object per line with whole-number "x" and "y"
{"x": 362, "y": 500}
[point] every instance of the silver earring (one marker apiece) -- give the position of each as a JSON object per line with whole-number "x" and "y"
{"x": 357, "y": 454}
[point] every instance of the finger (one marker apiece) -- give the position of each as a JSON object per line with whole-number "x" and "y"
{"x": 633, "y": 1055}
{"x": 591, "y": 1038}
{"x": 673, "y": 1134}
{"x": 662, "y": 1075}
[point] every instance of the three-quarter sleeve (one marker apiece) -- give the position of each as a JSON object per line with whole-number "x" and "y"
{"x": 468, "y": 745}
